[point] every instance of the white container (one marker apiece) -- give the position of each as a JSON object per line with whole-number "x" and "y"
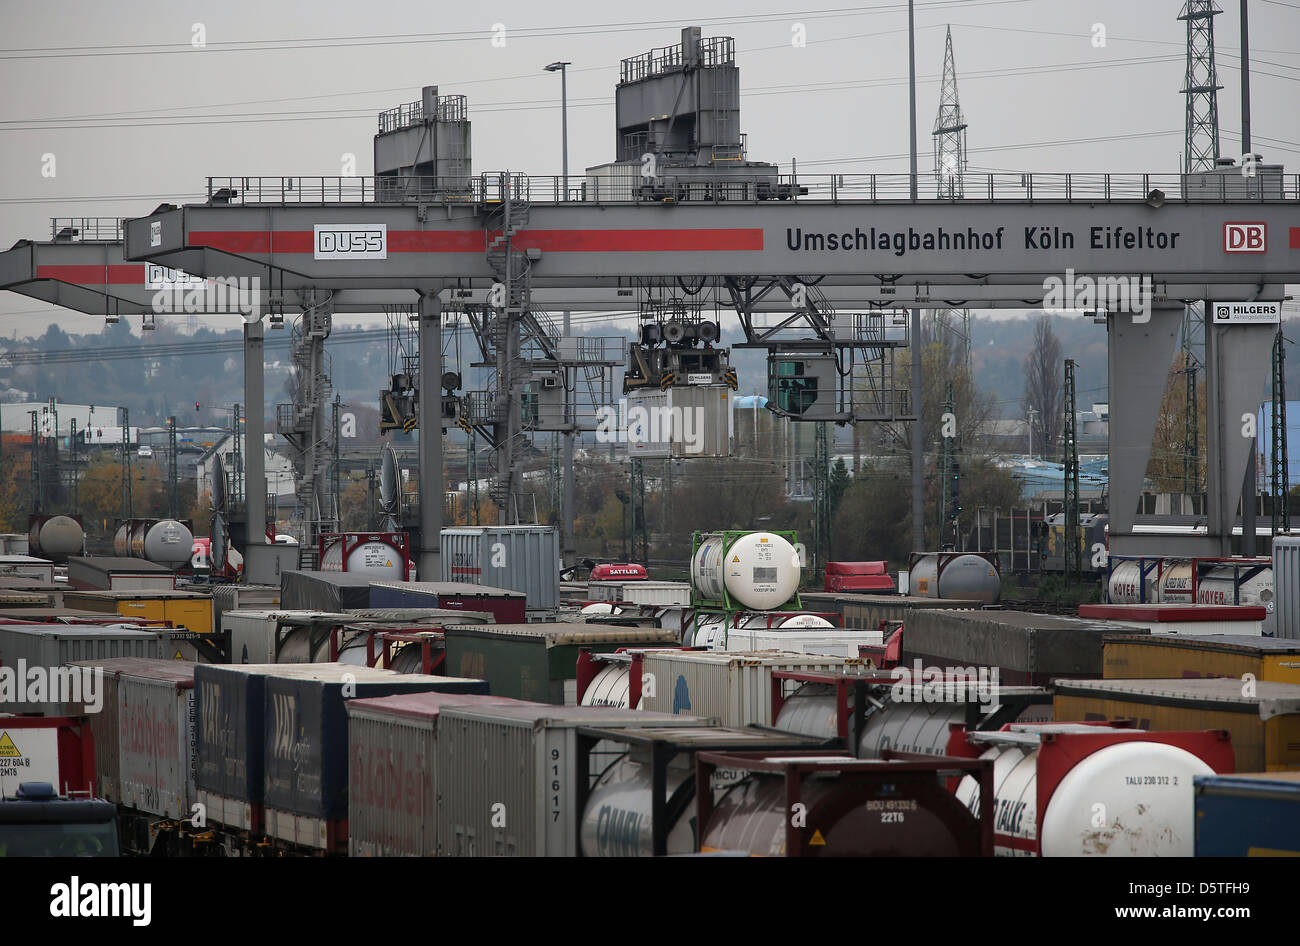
{"x": 611, "y": 686}
{"x": 757, "y": 570}
{"x": 509, "y": 775}
{"x": 280, "y": 636}
{"x": 734, "y": 687}
{"x": 1141, "y": 792}
{"x": 657, "y": 592}
{"x": 694, "y": 421}
{"x": 828, "y": 643}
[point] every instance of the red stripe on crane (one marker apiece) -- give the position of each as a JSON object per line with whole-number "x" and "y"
{"x": 124, "y": 274}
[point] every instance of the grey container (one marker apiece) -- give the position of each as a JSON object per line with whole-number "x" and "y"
{"x": 517, "y": 766}
{"x": 324, "y": 591}
{"x": 1286, "y": 586}
{"x": 865, "y": 612}
{"x": 50, "y": 646}
{"x": 521, "y": 558}
{"x": 242, "y": 597}
{"x": 393, "y": 778}
{"x": 107, "y": 573}
{"x": 1027, "y": 648}
{"x": 104, "y": 730}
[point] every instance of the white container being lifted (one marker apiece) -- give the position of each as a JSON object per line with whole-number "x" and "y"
{"x": 759, "y": 571}
{"x": 1095, "y": 790}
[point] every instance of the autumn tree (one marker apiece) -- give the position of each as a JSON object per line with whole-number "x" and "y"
{"x": 1167, "y": 468}
{"x": 1044, "y": 397}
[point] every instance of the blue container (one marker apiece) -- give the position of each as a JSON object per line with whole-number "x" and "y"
{"x": 305, "y": 742}
{"x": 1255, "y": 815}
{"x": 228, "y": 705}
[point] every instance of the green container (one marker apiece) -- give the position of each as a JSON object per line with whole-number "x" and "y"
{"x": 539, "y": 661}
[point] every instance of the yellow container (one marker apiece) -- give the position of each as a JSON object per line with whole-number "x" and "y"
{"x": 1129, "y": 657}
{"x": 1263, "y": 717}
{"x": 188, "y": 609}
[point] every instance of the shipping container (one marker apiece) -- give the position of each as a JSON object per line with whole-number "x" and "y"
{"x": 1186, "y": 619}
{"x": 189, "y": 613}
{"x": 736, "y": 688}
{"x": 324, "y": 591}
{"x": 1028, "y": 649}
{"x": 235, "y": 597}
{"x": 657, "y": 592}
{"x": 865, "y": 612}
{"x": 393, "y": 772}
{"x": 1210, "y": 655}
{"x": 1265, "y": 725}
{"x": 230, "y": 706}
{"x": 1254, "y": 814}
{"x": 107, "y": 573}
{"x": 1286, "y": 585}
{"x": 833, "y": 643}
{"x": 521, "y": 558}
{"x": 306, "y": 743}
{"x": 507, "y": 606}
{"x": 147, "y": 723}
{"x": 28, "y": 566}
{"x": 681, "y": 421}
{"x": 539, "y": 661}
{"x": 510, "y": 775}
{"x": 49, "y": 647}
{"x": 851, "y": 807}
{"x": 280, "y": 636}
{"x": 55, "y": 749}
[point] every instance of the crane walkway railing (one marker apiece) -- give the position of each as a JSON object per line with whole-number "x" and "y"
{"x": 762, "y": 187}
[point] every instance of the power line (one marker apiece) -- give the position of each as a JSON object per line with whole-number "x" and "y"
{"x": 463, "y": 36}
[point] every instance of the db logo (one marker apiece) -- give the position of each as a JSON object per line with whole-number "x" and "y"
{"x": 1245, "y": 237}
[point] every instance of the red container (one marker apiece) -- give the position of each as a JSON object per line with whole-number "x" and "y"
{"x": 54, "y": 749}
{"x": 859, "y": 576}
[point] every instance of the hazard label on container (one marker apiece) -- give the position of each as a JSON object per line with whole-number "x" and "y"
{"x": 7, "y": 748}
{"x": 735, "y": 558}
{"x": 817, "y": 840}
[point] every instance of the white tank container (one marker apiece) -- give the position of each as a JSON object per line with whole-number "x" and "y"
{"x": 1144, "y": 790}
{"x": 1216, "y": 587}
{"x": 710, "y": 632}
{"x": 1126, "y": 585}
{"x": 380, "y": 559}
{"x": 789, "y": 624}
{"x": 758, "y": 570}
{"x": 599, "y": 607}
{"x": 617, "y": 819}
{"x": 612, "y": 686}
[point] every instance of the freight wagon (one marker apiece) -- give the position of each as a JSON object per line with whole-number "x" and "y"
{"x": 272, "y": 751}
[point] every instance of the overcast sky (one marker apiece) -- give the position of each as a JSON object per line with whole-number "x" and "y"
{"x": 134, "y": 115}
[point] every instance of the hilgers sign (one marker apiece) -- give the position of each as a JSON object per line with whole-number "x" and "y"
{"x": 355, "y": 241}
{"x": 899, "y": 242}
{"x": 1247, "y": 313}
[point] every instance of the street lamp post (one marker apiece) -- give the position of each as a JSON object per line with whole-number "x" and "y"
{"x": 567, "y": 550}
